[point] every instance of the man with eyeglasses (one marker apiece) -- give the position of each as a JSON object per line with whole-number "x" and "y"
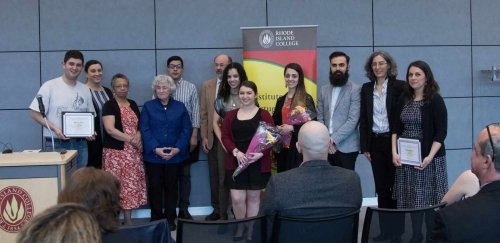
{"x": 64, "y": 94}
{"x": 476, "y": 219}
{"x": 338, "y": 108}
{"x": 186, "y": 93}
{"x": 219, "y": 193}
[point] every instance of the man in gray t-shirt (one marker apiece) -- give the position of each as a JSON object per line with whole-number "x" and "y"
{"x": 63, "y": 94}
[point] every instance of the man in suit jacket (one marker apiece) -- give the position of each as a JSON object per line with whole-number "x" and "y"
{"x": 476, "y": 219}
{"x": 218, "y": 192}
{"x": 338, "y": 109}
{"x": 315, "y": 188}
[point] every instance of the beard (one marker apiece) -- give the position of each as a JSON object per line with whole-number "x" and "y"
{"x": 338, "y": 78}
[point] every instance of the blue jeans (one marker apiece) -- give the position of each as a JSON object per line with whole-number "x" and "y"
{"x": 78, "y": 144}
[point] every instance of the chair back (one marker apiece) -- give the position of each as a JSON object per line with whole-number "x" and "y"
{"x": 154, "y": 232}
{"x": 338, "y": 228}
{"x": 404, "y": 225}
{"x": 189, "y": 231}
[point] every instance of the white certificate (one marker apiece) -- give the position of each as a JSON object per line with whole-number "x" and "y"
{"x": 409, "y": 151}
{"x": 78, "y": 124}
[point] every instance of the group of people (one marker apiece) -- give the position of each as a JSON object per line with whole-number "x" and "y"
{"x": 161, "y": 141}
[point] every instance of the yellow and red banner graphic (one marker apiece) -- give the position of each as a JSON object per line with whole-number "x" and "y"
{"x": 266, "y": 52}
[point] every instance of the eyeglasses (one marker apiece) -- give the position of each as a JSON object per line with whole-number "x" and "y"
{"x": 380, "y": 64}
{"x": 120, "y": 86}
{"x": 173, "y": 66}
{"x": 491, "y": 139}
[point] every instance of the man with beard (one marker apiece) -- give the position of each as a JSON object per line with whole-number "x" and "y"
{"x": 338, "y": 108}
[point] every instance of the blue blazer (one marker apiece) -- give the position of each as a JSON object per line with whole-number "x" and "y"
{"x": 168, "y": 126}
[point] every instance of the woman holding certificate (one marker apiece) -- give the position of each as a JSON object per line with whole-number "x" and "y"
{"x": 122, "y": 153}
{"x": 421, "y": 118}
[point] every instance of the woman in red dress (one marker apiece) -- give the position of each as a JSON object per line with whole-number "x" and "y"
{"x": 122, "y": 153}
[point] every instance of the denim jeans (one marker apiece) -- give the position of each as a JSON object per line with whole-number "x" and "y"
{"x": 78, "y": 144}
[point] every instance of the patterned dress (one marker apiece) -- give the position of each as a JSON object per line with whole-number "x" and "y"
{"x": 127, "y": 165}
{"x": 415, "y": 188}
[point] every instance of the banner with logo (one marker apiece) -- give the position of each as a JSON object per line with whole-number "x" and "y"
{"x": 267, "y": 50}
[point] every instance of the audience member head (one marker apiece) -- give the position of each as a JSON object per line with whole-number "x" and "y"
{"x": 313, "y": 141}
{"x": 339, "y": 68}
{"x": 232, "y": 76}
{"x": 66, "y": 222}
{"x": 99, "y": 191}
{"x": 385, "y": 65}
{"x": 431, "y": 86}
{"x": 294, "y": 78}
{"x": 160, "y": 85}
{"x": 485, "y": 157}
{"x": 220, "y": 62}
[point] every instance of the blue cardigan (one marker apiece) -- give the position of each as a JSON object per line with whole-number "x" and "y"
{"x": 165, "y": 127}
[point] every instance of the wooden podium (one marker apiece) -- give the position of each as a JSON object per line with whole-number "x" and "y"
{"x": 29, "y": 183}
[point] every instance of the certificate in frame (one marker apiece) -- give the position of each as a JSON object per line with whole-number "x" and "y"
{"x": 78, "y": 124}
{"x": 409, "y": 151}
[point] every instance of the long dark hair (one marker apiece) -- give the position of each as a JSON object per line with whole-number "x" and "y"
{"x": 224, "y": 88}
{"x": 299, "y": 98}
{"x": 431, "y": 86}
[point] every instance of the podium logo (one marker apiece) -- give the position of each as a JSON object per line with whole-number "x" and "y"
{"x": 266, "y": 39}
{"x": 16, "y": 208}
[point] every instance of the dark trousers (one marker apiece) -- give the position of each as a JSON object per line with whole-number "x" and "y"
{"x": 384, "y": 171}
{"x": 185, "y": 179}
{"x": 184, "y": 185}
{"x": 218, "y": 191}
{"x": 344, "y": 160}
{"x": 163, "y": 190}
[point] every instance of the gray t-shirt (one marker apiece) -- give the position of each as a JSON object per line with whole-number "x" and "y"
{"x": 58, "y": 97}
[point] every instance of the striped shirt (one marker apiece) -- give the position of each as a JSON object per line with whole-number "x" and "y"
{"x": 187, "y": 93}
{"x": 380, "y": 117}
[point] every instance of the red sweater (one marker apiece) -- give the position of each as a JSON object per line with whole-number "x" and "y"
{"x": 228, "y": 140}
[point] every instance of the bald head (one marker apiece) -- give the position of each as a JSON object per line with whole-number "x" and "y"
{"x": 313, "y": 141}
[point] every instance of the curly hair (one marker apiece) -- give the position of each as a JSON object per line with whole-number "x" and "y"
{"x": 392, "y": 71}
{"x": 224, "y": 88}
{"x": 99, "y": 191}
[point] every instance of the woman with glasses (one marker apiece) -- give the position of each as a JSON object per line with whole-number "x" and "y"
{"x": 421, "y": 115}
{"x": 122, "y": 153}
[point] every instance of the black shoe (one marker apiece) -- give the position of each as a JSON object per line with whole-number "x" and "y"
{"x": 184, "y": 214}
{"x": 172, "y": 226}
{"x": 223, "y": 217}
{"x": 213, "y": 216}
{"x": 381, "y": 237}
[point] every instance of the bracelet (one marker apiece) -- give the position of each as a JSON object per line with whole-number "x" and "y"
{"x": 235, "y": 152}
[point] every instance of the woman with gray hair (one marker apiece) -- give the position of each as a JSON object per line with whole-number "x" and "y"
{"x": 166, "y": 130}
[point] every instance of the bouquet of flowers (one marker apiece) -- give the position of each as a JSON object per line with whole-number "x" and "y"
{"x": 265, "y": 137}
{"x": 299, "y": 115}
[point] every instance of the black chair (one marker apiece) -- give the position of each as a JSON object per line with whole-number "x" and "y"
{"x": 221, "y": 231}
{"x": 154, "y": 232}
{"x": 398, "y": 225}
{"x": 338, "y": 228}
